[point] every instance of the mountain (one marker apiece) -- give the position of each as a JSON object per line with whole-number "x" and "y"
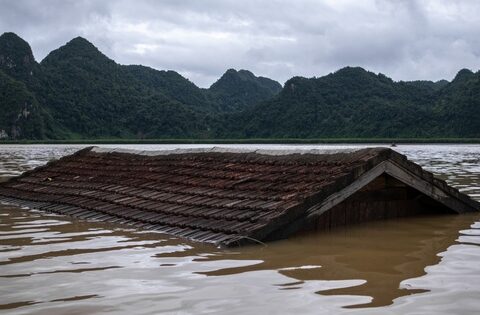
{"x": 96, "y": 97}
{"x": 458, "y": 106}
{"x": 81, "y": 93}
{"x": 77, "y": 92}
{"x": 22, "y": 115}
{"x": 16, "y": 57}
{"x": 173, "y": 85}
{"x": 353, "y": 102}
{"x": 237, "y": 90}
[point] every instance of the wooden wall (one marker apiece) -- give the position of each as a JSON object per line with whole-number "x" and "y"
{"x": 383, "y": 198}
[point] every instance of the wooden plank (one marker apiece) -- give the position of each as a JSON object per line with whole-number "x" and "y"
{"x": 426, "y": 188}
{"x": 343, "y": 194}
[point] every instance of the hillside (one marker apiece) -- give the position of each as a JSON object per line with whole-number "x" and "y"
{"x": 237, "y": 90}
{"x": 353, "y": 102}
{"x": 458, "y": 106}
{"x": 77, "y": 92}
{"x": 22, "y": 115}
{"x": 82, "y": 93}
{"x": 16, "y": 57}
{"x": 95, "y": 97}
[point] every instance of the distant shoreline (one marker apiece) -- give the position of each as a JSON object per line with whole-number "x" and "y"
{"x": 254, "y": 141}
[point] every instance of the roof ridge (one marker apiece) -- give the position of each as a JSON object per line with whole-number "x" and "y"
{"x": 217, "y": 194}
{"x": 219, "y": 149}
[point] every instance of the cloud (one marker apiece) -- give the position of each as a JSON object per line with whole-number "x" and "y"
{"x": 403, "y": 39}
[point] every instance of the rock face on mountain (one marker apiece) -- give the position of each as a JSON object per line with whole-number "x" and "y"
{"x": 21, "y": 114}
{"x": 16, "y": 57}
{"x": 77, "y": 92}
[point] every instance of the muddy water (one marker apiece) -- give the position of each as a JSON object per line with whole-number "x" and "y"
{"x": 429, "y": 265}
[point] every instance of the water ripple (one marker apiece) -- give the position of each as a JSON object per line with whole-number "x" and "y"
{"x": 51, "y": 264}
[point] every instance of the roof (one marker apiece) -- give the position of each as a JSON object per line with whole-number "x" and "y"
{"x": 213, "y": 195}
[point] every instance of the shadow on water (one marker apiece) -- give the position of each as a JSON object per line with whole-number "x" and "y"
{"x": 369, "y": 261}
{"x": 55, "y": 265}
{"x": 36, "y": 244}
{"x": 381, "y": 254}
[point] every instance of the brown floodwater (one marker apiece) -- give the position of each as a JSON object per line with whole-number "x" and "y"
{"x": 52, "y": 264}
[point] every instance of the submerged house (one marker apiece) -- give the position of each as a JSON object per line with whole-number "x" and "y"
{"x": 229, "y": 197}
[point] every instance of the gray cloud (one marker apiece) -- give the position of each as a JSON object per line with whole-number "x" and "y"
{"x": 404, "y": 39}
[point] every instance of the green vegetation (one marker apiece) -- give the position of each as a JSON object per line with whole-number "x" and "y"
{"x": 237, "y": 90}
{"x": 21, "y": 114}
{"x": 354, "y": 103}
{"x": 92, "y": 96}
{"x": 386, "y": 141}
{"x": 77, "y": 93}
{"x": 80, "y": 93}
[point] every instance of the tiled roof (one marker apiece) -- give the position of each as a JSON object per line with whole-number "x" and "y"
{"x": 218, "y": 197}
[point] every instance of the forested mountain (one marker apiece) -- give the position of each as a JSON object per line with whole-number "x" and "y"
{"x": 173, "y": 85}
{"x": 21, "y": 114}
{"x": 237, "y": 90}
{"x": 96, "y": 97}
{"x": 16, "y": 58}
{"x": 458, "y": 106}
{"x": 353, "y": 102}
{"x": 77, "y": 92}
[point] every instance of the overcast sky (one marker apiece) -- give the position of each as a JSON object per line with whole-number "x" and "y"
{"x": 403, "y": 39}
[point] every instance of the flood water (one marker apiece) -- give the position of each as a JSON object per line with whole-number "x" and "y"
{"x": 52, "y": 264}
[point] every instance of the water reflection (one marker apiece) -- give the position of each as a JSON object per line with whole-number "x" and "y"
{"x": 55, "y": 265}
{"x": 92, "y": 266}
{"x": 382, "y": 254}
